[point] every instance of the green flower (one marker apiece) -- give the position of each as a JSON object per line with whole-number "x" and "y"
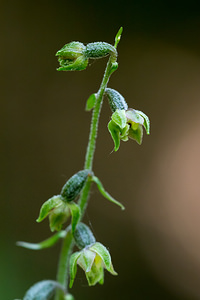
{"x": 93, "y": 260}
{"x": 71, "y": 57}
{"x": 127, "y": 124}
{"x": 58, "y": 212}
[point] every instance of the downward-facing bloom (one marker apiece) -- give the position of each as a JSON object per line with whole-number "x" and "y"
{"x": 60, "y": 207}
{"x": 57, "y": 210}
{"x": 93, "y": 260}
{"x": 125, "y": 122}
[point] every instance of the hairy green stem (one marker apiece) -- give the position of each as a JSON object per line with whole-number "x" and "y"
{"x": 93, "y": 135}
{"x": 62, "y": 275}
{"x": 63, "y": 267}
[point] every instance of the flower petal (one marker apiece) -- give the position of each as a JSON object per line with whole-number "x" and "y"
{"x": 86, "y": 259}
{"x": 97, "y": 272}
{"x": 58, "y": 217}
{"x": 133, "y": 116}
{"x": 119, "y": 117}
{"x": 136, "y": 134}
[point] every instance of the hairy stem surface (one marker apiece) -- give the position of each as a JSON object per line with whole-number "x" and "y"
{"x": 63, "y": 266}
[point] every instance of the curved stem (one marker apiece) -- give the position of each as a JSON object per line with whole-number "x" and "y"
{"x": 89, "y": 157}
{"x": 62, "y": 276}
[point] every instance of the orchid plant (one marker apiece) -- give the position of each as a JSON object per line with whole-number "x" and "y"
{"x": 92, "y": 257}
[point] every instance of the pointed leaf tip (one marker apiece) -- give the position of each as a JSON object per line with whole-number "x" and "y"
{"x": 44, "y": 244}
{"x": 118, "y": 36}
{"x": 104, "y": 193}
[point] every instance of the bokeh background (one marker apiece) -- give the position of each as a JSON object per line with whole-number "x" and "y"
{"x": 155, "y": 242}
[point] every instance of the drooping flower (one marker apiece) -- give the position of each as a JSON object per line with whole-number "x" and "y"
{"x": 93, "y": 260}
{"x": 125, "y": 122}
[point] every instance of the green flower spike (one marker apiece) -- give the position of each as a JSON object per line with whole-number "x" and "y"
{"x": 93, "y": 260}
{"x": 58, "y": 211}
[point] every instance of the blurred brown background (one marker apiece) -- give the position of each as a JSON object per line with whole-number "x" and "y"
{"x": 155, "y": 243}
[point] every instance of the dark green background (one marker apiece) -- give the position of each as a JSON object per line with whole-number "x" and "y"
{"x": 155, "y": 242}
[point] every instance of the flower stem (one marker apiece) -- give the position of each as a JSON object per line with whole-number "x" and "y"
{"x": 89, "y": 157}
{"x": 62, "y": 275}
{"x": 63, "y": 266}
